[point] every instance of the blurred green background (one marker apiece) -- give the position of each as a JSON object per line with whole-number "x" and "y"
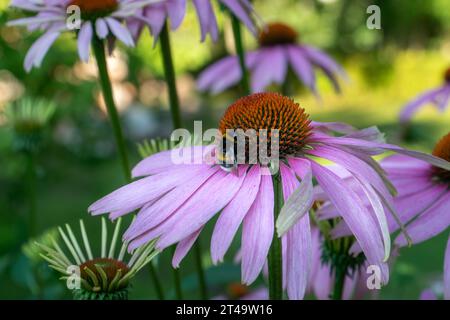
{"x": 78, "y": 164}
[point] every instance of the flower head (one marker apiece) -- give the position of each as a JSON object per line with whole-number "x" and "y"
{"x": 28, "y": 118}
{"x": 102, "y": 277}
{"x": 155, "y": 15}
{"x": 420, "y": 209}
{"x": 278, "y": 51}
{"x": 98, "y": 19}
{"x": 440, "y": 97}
{"x": 177, "y": 199}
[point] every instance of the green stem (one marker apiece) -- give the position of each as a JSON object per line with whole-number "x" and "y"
{"x": 32, "y": 179}
{"x": 240, "y": 52}
{"x": 339, "y": 282}
{"x": 275, "y": 253}
{"x": 170, "y": 77}
{"x": 99, "y": 51}
{"x": 158, "y": 289}
{"x": 200, "y": 270}
{"x": 177, "y": 279}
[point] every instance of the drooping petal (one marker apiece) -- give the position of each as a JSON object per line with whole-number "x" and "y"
{"x": 176, "y": 10}
{"x": 183, "y": 248}
{"x": 353, "y": 211}
{"x": 297, "y": 255}
{"x": 84, "y": 41}
{"x": 364, "y": 145}
{"x": 257, "y": 231}
{"x": 165, "y": 206}
{"x": 142, "y": 191}
{"x": 207, "y": 19}
{"x": 39, "y": 49}
{"x": 101, "y": 28}
{"x": 302, "y": 67}
{"x": 272, "y": 67}
{"x": 363, "y": 174}
{"x": 409, "y": 110}
{"x": 299, "y": 201}
{"x": 120, "y": 31}
{"x": 233, "y": 214}
{"x": 208, "y": 200}
{"x": 210, "y": 75}
{"x": 241, "y": 9}
{"x": 429, "y": 224}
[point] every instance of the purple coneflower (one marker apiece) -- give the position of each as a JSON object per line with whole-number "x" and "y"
{"x": 98, "y": 19}
{"x": 422, "y": 203}
{"x": 278, "y": 50}
{"x": 155, "y": 16}
{"x": 424, "y": 199}
{"x": 177, "y": 200}
{"x": 439, "y": 97}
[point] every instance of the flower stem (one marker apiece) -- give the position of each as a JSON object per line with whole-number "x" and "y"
{"x": 240, "y": 52}
{"x": 200, "y": 271}
{"x": 177, "y": 279}
{"x": 339, "y": 280}
{"x": 158, "y": 289}
{"x": 275, "y": 253}
{"x": 170, "y": 77}
{"x": 99, "y": 51}
{"x": 31, "y": 177}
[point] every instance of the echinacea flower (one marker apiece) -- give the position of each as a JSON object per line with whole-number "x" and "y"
{"x": 155, "y": 15}
{"x": 95, "y": 277}
{"x": 422, "y": 203}
{"x": 98, "y": 18}
{"x": 278, "y": 51}
{"x": 177, "y": 200}
{"x": 440, "y": 97}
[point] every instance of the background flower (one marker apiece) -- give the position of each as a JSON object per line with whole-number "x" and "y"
{"x": 98, "y": 19}
{"x": 155, "y": 15}
{"x": 278, "y": 52}
{"x": 439, "y": 97}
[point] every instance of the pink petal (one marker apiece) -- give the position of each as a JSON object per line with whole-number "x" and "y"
{"x": 353, "y": 211}
{"x": 183, "y": 248}
{"x": 433, "y": 221}
{"x": 257, "y": 231}
{"x": 208, "y": 200}
{"x": 84, "y": 41}
{"x": 165, "y": 206}
{"x": 159, "y": 162}
{"x": 233, "y": 214}
{"x": 142, "y": 191}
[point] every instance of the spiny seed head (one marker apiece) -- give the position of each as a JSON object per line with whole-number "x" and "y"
{"x": 442, "y": 150}
{"x": 270, "y": 111}
{"x": 109, "y": 266}
{"x": 277, "y": 33}
{"x": 447, "y": 75}
{"x": 92, "y": 9}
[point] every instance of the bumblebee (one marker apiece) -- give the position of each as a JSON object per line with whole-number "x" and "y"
{"x": 227, "y": 154}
